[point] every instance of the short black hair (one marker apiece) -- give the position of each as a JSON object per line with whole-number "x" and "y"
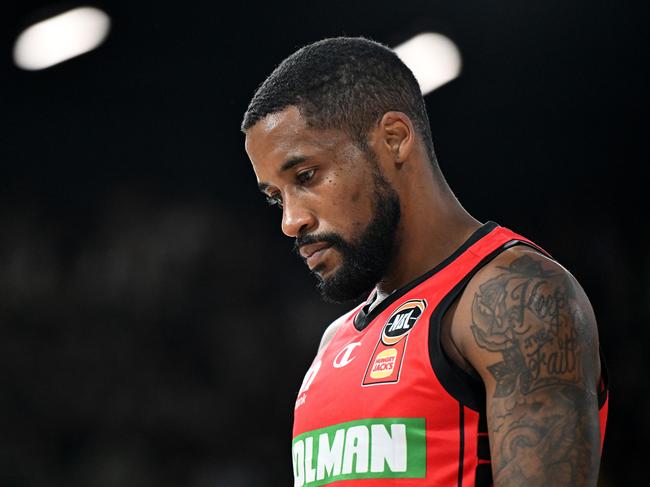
{"x": 343, "y": 82}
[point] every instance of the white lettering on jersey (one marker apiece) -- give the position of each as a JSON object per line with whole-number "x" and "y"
{"x": 363, "y": 449}
{"x": 310, "y": 376}
{"x": 306, "y": 383}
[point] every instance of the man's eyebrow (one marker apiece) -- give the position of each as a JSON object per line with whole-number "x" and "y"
{"x": 293, "y": 161}
{"x": 289, "y": 163}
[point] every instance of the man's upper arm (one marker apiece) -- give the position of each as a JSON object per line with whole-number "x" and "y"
{"x": 526, "y": 326}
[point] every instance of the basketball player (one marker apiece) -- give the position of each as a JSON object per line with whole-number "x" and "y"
{"x": 474, "y": 359}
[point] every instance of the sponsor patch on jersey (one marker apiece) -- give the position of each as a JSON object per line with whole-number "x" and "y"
{"x": 386, "y": 361}
{"x": 384, "y": 364}
{"x": 375, "y": 448}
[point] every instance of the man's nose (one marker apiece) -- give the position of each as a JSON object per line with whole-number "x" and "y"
{"x": 296, "y": 219}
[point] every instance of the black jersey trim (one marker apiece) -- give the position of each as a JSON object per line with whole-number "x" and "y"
{"x": 461, "y": 454}
{"x": 363, "y": 317}
{"x": 465, "y": 388}
{"x": 483, "y": 474}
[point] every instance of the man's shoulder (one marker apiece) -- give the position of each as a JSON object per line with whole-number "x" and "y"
{"x": 522, "y": 264}
{"x": 333, "y": 327}
{"x": 519, "y": 259}
{"x": 520, "y": 279}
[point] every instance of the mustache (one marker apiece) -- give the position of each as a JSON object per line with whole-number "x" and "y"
{"x": 332, "y": 239}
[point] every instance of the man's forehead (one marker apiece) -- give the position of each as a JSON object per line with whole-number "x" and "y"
{"x": 287, "y": 133}
{"x": 278, "y": 125}
{"x": 288, "y": 119}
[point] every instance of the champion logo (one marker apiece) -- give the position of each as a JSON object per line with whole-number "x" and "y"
{"x": 344, "y": 357}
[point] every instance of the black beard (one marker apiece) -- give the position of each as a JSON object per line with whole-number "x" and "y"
{"x": 366, "y": 259}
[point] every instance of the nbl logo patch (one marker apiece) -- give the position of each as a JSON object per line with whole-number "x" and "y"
{"x": 386, "y": 361}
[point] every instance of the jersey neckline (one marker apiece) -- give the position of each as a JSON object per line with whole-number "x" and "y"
{"x": 363, "y": 318}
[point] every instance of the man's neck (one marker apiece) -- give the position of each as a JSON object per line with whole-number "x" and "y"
{"x": 425, "y": 248}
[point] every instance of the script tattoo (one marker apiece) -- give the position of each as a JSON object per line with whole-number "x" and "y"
{"x": 543, "y": 412}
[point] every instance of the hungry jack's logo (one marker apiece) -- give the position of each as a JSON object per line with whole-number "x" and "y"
{"x": 386, "y": 361}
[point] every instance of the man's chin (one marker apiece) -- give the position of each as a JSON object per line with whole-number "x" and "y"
{"x": 324, "y": 272}
{"x": 335, "y": 289}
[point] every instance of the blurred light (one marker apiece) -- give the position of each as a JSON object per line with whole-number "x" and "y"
{"x": 433, "y": 58}
{"x": 61, "y": 37}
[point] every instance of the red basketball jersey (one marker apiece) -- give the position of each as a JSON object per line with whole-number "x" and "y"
{"x": 383, "y": 405}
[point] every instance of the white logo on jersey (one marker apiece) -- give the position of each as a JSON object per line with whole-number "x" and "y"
{"x": 343, "y": 357}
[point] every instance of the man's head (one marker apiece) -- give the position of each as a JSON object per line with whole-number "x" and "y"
{"x": 328, "y": 134}
{"x": 346, "y": 83}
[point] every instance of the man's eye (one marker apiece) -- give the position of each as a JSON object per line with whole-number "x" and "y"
{"x": 274, "y": 201}
{"x": 305, "y": 176}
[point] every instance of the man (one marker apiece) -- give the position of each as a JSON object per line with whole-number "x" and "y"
{"x": 474, "y": 359}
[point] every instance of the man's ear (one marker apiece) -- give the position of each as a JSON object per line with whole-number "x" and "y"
{"x": 397, "y": 135}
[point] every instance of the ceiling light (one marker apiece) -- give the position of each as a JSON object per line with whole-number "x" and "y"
{"x": 60, "y": 38}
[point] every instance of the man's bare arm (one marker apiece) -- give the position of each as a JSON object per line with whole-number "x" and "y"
{"x": 534, "y": 342}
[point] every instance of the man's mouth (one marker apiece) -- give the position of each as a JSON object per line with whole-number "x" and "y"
{"x": 313, "y": 252}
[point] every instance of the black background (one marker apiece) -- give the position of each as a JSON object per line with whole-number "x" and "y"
{"x": 154, "y": 324}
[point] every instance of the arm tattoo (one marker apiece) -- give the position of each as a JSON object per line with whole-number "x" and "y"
{"x": 543, "y": 413}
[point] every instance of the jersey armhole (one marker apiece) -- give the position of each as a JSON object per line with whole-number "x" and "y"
{"x": 460, "y": 384}
{"x": 603, "y": 383}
